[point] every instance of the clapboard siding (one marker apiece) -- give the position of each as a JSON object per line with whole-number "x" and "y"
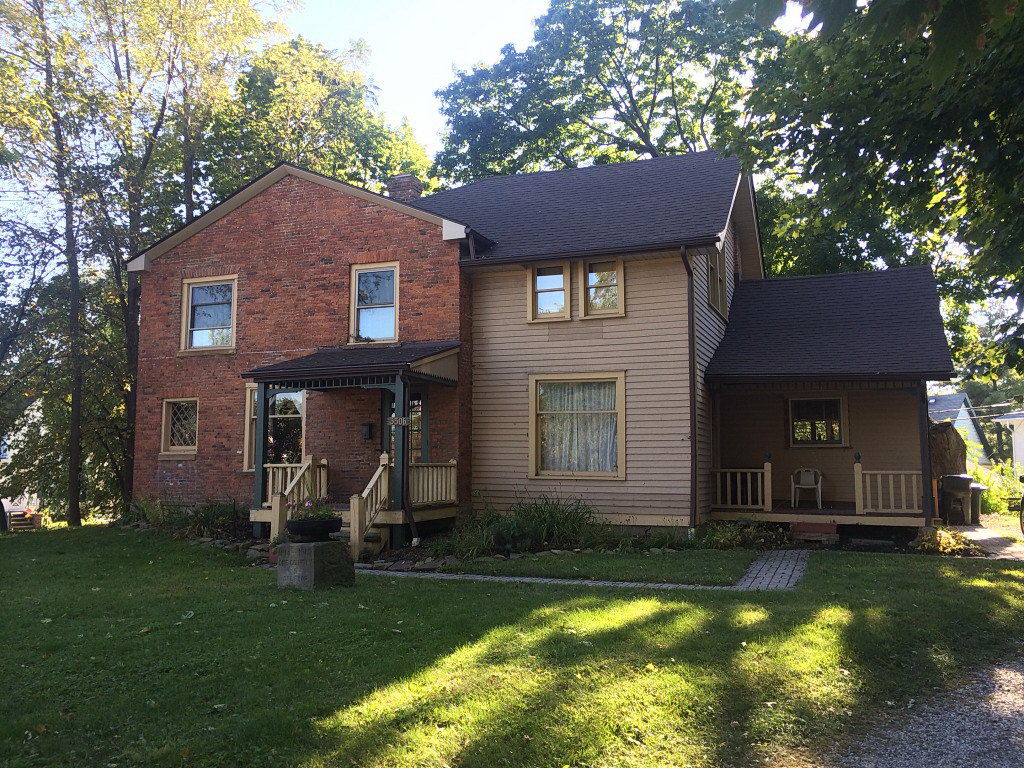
{"x": 710, "y": 328}
{"x": 650, "y": 344}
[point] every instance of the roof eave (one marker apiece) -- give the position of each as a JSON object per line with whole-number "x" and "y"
{"x": 694, "y": 242}
{"x": 759, "y": 378}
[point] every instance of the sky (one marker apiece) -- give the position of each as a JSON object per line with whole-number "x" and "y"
{"x": 415, "y": 45}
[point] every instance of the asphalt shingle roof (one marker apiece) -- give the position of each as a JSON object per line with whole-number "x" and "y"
{"x": 662, "y": 202}
{"x": 335, "y": 361}
{"x": 883, "y": 324}
{"x": 946, "y": 407}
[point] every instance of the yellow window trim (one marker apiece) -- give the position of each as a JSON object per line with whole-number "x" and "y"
{"x": 531, "y": 293}
{"x": 249, "y": 427}
{"x": 186, "y": 310}
{"x": 619, "y": 377}
{"x": 582, "y": 288}
{"x": 844, "y": 421}
{"x": 165, "y": 431}
{"x": 354, "y": 271}
{"x": 718, "y": 292}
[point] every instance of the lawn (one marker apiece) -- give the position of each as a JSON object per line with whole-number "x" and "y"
{"x": 1005, "y": 525}
{"x": 124, "y": 649}
{"x": 693, "y": 566}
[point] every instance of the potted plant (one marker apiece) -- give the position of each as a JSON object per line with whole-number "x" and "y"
{"x": 311, "y": 520}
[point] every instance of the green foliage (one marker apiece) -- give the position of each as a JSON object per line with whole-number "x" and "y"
{"x": 215, "y": 519}
{"x": 311, "y": 509}
{"x": 1003, "y": 484}
{"x": 723, "y": 534}
{"x": 603, "y": 81}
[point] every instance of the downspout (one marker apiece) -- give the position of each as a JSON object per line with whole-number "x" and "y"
{"x": 691, "y": 339}
{"x": 924, "y": 423}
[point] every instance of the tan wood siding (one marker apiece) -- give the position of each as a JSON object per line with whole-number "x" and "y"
{"x": 708, "y": 333}
{"x": 649, "y": 344}
{"x": 881, "y": 422}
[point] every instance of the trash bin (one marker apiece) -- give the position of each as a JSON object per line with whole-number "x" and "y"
{"x": 976, "y": 490}
{"x": 955, "y": 499}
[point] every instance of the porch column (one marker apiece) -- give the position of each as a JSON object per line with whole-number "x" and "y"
{"x": 928, "y": 499}
{"x": 400, "y": 426}
{"x": 260, "y": 447}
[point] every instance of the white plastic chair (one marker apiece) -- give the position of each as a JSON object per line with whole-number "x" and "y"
{"x": 805, "y": 478}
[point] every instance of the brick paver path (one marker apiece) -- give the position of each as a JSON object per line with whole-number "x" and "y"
{"x": 995, "y": 545}
{"x": 776, "y": 569}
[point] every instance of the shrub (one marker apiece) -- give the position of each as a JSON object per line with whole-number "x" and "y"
{"x": 1002, "y": 485}
{"x": 213, "y": 518}
{"x": 722, "y": 534}
{"x": 942, "y": 541}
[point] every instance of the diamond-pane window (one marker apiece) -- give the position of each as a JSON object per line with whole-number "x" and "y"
{"x": 182, "y": 416}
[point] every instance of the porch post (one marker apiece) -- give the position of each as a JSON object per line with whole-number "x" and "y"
{"x": 260, "y": 446}
{"x": 928, "y": 500}
{"x": 401, "y": 432}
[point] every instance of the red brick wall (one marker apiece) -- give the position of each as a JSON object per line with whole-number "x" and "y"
{"x": 291, "y": 247}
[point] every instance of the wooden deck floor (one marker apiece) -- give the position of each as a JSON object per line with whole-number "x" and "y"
{"x": 838, "y": 512}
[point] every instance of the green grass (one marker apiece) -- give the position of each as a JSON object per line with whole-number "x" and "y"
{"x": 121, "y": 648}
{"x": 693, "y": 566}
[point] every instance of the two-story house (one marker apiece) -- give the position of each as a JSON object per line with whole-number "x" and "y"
{"x": 604, "y": 332}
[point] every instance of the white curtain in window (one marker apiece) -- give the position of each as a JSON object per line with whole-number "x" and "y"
{"x": 578, "y": 426}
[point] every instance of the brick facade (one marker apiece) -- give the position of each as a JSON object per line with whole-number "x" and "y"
{"x": 291, "y": 247}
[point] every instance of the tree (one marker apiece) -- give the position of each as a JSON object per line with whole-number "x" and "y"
{"x": 307, "y": 105}
{"x": 603, "y": 81}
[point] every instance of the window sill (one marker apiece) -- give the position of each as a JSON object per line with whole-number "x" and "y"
{"x": 724, "y": 318}
{"x": 822, "y": 445}
{"x": 206, "y": 351}
{"x": 603, "y": 315}
{"x": 175, "y": 456}
{"x": 374, "y": 343}
{"x": 576, "y": 476}
{"x": 549, "y": 319}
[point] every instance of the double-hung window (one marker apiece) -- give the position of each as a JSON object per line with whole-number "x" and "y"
{"x": 717, "y": 290}
{"x": 601, "y": 286}
{"x": 577, "y": 425}
{"x": 374, "y": 301}
{"x": 548, "y": 292}
{"x": 208, "y": 320}
{"x": 816, "y": 421}
{"x": 285, "y": 428}
{"x": 180, "y": 433}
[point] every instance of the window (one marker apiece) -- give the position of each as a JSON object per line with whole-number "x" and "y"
{"x": 717, "y": 292}
{"x": 548, "y": 292}
{"x": 208, "y": 320}
{"x": 180, "y": 426}
{"x": 417, "y": 415}
{"x": 601, "y": 288}
{"x": 285, "y": 428}
{"x": 374, "y": 303}
{"x": 577, "y": 425}
{"x": 816, "y": 422}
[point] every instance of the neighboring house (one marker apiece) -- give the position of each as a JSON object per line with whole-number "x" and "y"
{"x": 957, "y": 408}
{"x": 1015, "y": 421}
{"x": 604, "y": 332}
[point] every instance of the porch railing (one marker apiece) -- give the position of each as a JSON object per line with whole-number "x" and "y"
{"x": 364, "y": 507}
{"x": 743, "y": 488}
{"x": 307, "y": 480}
{"x": 279, "y": 476}
{"x": 887, "y": 491}
{"x": 433, "y": 483}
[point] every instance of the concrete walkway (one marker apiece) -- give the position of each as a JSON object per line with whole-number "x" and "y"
{"x": 994, "y": 544}
{"x": 777, "y": 569}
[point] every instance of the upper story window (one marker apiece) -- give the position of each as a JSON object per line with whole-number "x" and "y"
{"x": 548, "y": 292}
{"x": 180, "y": 426}
{"x": 374, "y": 302}
{"x": 601, "y": 286}
{"x": 817, "y": 421}
{"x": 208, "y": 318}
{"x": 717, "y": 292}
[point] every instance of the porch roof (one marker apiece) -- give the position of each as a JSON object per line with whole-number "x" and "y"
{"x": 864, "y": 325}
{"x": 370, "y": 360}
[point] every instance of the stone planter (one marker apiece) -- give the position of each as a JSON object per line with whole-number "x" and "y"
{"x": 316, "y": 565}
{"x": 304, "y": 531}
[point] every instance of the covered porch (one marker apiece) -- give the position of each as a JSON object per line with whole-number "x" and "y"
{"x": 864, "y": 443}
{"x": 379, "y": 438}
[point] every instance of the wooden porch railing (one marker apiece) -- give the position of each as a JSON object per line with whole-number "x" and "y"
{"x": 308, "y": 481}
{"x": 743, "y": 488}
{"x": 364, "y": 507}
{"x": 887, "y": 491}
{"x": 279, "y": 476}
{"x": 433, "y": 483}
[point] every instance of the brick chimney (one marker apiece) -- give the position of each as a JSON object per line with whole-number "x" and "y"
{"x": 405, "y": 186}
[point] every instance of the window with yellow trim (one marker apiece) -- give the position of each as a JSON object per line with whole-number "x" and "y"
{"x": 180, "y": 433}
{"x": 601, "y": 286}
{"x": 717, "y": 291}
{"x": 548, "y": 292}
{"x": 208, "y": 313}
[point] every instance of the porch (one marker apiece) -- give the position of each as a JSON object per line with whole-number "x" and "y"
{"x": 379, "y": 439}
{"x": 865, "y": 440}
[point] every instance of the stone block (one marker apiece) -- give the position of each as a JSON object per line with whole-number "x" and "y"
{"x": 315, "y": 565}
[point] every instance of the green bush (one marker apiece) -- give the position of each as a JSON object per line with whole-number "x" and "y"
{"x": 722, "y": 534}
{"x": 1002, "y": 484}
{"x": 942, "y": 541}
{"x": 213, "y": 518}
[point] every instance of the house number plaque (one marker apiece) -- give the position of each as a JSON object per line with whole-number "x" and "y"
{"x": 399, "y": 421}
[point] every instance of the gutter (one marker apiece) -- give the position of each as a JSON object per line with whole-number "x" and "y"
{"x": 691, "y": 340}
{"x": 697, "y": 242}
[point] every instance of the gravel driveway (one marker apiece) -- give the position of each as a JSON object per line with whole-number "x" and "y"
{"x": 978, "y": 726}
